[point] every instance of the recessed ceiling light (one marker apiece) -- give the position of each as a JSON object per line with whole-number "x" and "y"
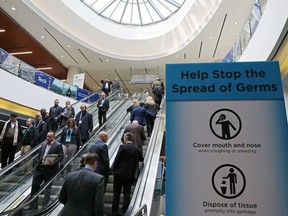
{"x": 210, "y": 37}
{"x": 21, "y": 53}
{"x": 107, "y": 60}
{"x": 2, "y": 30}
{"x": 62, "y": 56}
{"x": 235, "y": 23}
{"x": 68, "y": 45}
{"x": 42, "y": 36}
{"x": 13, "y": 8}
{"x": 44, "y": 68}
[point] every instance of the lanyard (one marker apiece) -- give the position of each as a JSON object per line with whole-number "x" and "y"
{"x": 37, "y": 125}
{"x": 69, "y": 132}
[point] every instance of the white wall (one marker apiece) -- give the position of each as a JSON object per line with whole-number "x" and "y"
{"x": 22, "y": 92}
{"x": 267, "y": 34}
{"x": 268, "y": 31}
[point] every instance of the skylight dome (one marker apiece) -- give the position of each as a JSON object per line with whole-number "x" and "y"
{"x": 135, "y": 12}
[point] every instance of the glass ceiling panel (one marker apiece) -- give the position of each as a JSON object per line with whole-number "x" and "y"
{"x": 134, "y": 12}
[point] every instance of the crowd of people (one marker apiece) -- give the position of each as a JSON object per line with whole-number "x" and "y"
{"x": 75, "y": 131}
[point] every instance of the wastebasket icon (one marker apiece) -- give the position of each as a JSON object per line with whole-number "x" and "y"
{"x": 223, "y": 190}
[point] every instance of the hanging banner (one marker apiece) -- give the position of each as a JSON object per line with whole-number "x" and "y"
{"x": 26, "y": 72}
{"x": 79, "y": 80}
{"x": 11, "y": 64}
{"x": 3, "y": 56}
{"x": 226, "y": 140}
{"x": 42, "y": 79}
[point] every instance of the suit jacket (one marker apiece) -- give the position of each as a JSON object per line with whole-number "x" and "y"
{"x": 54, "y": 112}
{"x": 30, "y": 136}
{"x": 104, "y": 107}
{"x": 139, "y": 113}
{"x": 127, "y": 160}
{"x": 101, "y": 149}
{"x": 104, "y": 85}
{"x": 83, "y": 194}
{"x": 42, "y": 130}
{"x": 86, "y": 125}
{"x": 56, "y": 148}
{"x": 138, "y": 134}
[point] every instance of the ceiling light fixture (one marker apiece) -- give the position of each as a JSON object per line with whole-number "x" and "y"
{"x": 21, "y": 53}
{"x": 62, "y": 56}
{"x": 2, "y": 30}
{"x": 13, "y": 8}
{"x": 68, "y": 45}
{"x": 210, "y": 37}
{"x": 44, "y": 68}
{"x": 42, "y": 36}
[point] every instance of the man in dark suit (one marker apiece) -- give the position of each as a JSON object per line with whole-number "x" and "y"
{"x": 125, "y": 170}
{"x": 46, "y": 169}
{"x": 55, "y": 114}
{"x": 106, "y": 86}
{"x": 101, "y": 149}
{"x": 138, "y": 133}
{"x": 42, "y": 128}
{"x": 139, "y": 114}
{"x": 84, "y": 122}
{"x": 28, "y": 141}
{"x": 83, "y": 191}
{"x": 103, "y": 106}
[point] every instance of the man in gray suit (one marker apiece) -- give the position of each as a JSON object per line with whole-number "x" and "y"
{"x": 83, "y": 191}
{"x": 138, "y": 133}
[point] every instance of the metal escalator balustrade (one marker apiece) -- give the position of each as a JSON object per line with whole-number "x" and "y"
{"x": 58, "y": 180}
{"x": 144, "y": 190}
{"x": 119, "y": 122}
{"x": 13, "y": 178}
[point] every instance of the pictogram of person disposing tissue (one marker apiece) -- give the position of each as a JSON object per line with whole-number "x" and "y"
{"x": 232, "y": 177}
{"x": 225, "y": 126}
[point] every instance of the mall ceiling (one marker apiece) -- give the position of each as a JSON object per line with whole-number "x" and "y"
{"x": 24, "y": 29}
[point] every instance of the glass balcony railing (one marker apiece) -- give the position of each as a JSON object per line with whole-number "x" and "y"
{"x": 25, "y": 71}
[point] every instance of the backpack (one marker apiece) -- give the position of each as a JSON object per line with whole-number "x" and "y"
{"x": 158, "y": 90}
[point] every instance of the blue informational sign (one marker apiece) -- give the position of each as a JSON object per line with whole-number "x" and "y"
{"x": 227, "y": 139}
{"x": 217, "y": 81}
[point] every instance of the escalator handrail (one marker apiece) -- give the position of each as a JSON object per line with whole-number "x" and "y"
{"x": 51, "y": 180}
{"x": 56, "y": 202}
{"x": 139, "y": 211}
{"x": 28, "y": 154}
{"x": 144, "y": 173}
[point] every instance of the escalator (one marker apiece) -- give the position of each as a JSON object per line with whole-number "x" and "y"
{"x": 14, "y": 183}
{"x": 114, "y": 143}
{"x": 74, "y": 162}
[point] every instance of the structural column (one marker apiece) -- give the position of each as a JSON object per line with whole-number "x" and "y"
{"x": 72, "y": 70}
